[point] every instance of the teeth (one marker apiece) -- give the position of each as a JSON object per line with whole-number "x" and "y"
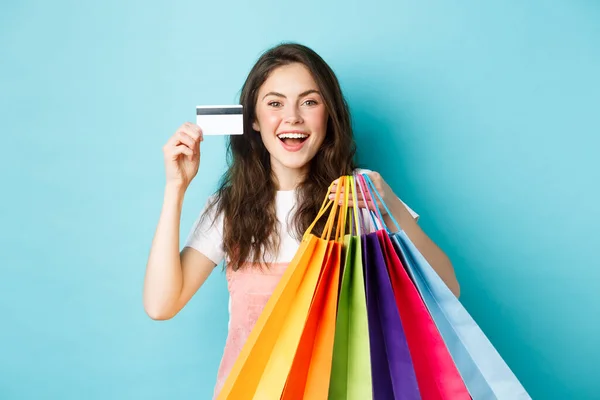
{"x": 292, "y": 136}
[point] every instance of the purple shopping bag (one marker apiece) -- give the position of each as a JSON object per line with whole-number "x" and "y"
{"x": 392, "y": 370}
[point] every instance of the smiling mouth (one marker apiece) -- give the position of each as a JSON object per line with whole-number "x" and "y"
{"x": 293, "y": 139}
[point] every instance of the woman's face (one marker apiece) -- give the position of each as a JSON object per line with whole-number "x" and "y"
{"x": 291, "y": 117}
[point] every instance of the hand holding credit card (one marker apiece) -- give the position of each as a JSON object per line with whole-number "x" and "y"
{"x": 220, "y": 120}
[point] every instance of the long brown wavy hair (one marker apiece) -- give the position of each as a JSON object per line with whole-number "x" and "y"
{"x": 247, "y": 190}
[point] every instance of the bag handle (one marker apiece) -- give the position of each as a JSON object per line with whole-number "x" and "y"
{"x": 324, "y": 206}
{"x": 352, "y": 180}
{"x": 389, "y": 213}
{"x": 359, "y": 212}
{"x": 374, "y": 212}
{"x": 362, "y": 188}
{"x": 351, "y": 213}
{"x": 331, "y": 219}
{"x": 341, "y": 225}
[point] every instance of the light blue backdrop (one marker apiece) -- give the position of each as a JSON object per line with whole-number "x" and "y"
{"x": 483, "y": 116}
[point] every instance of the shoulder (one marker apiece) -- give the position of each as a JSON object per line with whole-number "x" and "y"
{"x": 362, "y": 171}
{"x": 208, "y": 219}
{"x": 206, "y": 233}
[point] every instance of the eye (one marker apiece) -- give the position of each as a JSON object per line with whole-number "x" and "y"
{"x": 274, "y": 104}
{"x": 311, "y": 103}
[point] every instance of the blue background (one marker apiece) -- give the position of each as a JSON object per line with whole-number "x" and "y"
{"x": 483, "y": 116}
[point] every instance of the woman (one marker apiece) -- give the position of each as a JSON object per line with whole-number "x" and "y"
{"x": 297, "y": 140}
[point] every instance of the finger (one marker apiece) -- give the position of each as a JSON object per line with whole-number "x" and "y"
{"x": 196, "y": 134}
{"x": 177, "y": 138}
{"x": 181, "y": 149}
{"x": 360, "y": 204}
{"x": 366, "y": 204}
{"x": 335, "y": 183}
{"x": 333, "y": 194}
{"x": 183, "y": 138}
{"x": 335, "y": 189}
{"x": 193, "y": 130}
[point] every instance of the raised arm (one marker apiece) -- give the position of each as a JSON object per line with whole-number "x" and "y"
{"x": 173, "y": 276}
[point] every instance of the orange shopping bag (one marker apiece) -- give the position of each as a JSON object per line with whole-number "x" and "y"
{"x": 264, "y": 363}
{"x": 310, "y": 374}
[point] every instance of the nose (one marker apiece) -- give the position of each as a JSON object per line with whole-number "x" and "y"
{"x": 293, "y": 116}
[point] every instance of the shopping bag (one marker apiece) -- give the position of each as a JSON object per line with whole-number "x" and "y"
{"x": 262, "y": 367}
{"x": 392, "y": 369}
{"x": 351, "y": 367}
{"x": 436, "y": 372}
{"x": 309, "y": 376}
{"x": 484, "y": 372}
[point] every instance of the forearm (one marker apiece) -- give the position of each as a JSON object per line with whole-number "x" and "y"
{"x": 432, "y": 253}
{"x": 164, "y": 279}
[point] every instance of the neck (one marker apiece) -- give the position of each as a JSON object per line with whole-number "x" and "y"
{"x": 287, "y": 178}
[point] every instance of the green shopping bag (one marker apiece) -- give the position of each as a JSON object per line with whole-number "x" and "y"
{"x": 351, "y": 364}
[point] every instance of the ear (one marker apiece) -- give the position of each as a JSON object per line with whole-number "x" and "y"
{"x": 255, "y": 126}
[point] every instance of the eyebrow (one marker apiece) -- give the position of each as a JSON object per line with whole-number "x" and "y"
{"x": 305, "y": 93}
